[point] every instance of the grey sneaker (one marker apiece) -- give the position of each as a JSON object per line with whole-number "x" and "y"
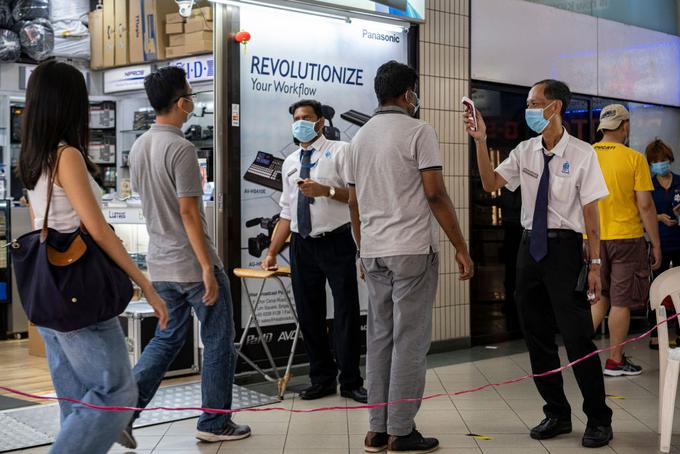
{"x": 126, "y": 439}
{"x": 231, "y": 432}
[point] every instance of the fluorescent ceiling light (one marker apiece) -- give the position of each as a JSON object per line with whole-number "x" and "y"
{"x": 284, "y": 7}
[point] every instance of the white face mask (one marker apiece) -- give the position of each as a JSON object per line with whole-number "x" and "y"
{"x": 189, "y": 114}
{"x": 415, "y": 105}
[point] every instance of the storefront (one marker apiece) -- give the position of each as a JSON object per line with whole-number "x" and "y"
{"x": 327, "y": 51}
{"x": 266, "y": 55}
{"x": 603, "y": 62}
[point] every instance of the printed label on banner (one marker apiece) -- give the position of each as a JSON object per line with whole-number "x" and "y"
{"x": 277, "y": 71}
{"x": 198, "y": 68}
{"x": 125, "y": 79}
{"x": 235, "y": 115}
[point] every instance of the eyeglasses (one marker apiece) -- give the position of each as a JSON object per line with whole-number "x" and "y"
{"x": 191, "y": 96}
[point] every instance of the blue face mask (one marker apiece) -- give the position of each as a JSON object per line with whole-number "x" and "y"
{"x": 304, "y": 130}
{"x": 661, "y": 168}
{"x": 535, "y": 119}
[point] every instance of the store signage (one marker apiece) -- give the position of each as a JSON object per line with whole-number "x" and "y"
{"x": 124, "y": 215}
{"x": 25, "y": 72}
{"x": 198, "y": 68}
{"x": 125, "y": 79}
{"x": 411, "y": 10}
{"x": 276, "y": 72}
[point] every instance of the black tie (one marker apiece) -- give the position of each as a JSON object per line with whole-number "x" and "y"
{"x": 538, "y": 247}
{"x": 303, "y": 212}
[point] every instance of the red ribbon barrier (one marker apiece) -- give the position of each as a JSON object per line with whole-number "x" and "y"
{"x": 349, "y": 407}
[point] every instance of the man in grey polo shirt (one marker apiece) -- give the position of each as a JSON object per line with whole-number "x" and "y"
{"x": 396, "y": 192}
{"x": 183, "y": 263}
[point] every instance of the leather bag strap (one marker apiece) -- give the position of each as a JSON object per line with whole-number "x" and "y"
{"x": 53, "y": 178}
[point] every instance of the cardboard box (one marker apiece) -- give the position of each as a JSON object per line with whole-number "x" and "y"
{"x": 109, "y": 33}
{"x": 121, "y": 15}
{"x": 153, "y": 27}
{"x": 174, "y": 28}
{"x": 176, "y": 18}
{"x": 36, "y": 346}
{"x": 197, "y": 24}
{"x": 198, "y": 36}
{"x": 175, "y": 51}
{"x": 194, "y": 47}
{"x": 96, "y": 24}
{"x": 177, "y": 40}
{"x": 135, "y": 38}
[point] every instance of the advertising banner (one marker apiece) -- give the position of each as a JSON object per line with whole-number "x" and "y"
{"x": 412, "y": 10}
{"x": 293, "y": 56}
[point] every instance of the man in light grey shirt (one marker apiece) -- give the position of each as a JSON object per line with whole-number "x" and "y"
{"x": 396, "y": 192}
{"x": 183, "y": 263}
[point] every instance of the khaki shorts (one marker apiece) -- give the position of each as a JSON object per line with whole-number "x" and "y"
{"x": 625, "y": 272}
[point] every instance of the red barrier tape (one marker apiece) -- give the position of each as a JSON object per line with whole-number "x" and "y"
{"x": 350, "y": 407}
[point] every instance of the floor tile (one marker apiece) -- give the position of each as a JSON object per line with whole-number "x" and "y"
{"x": 187, "y": 444}
{"x": 317, "y": 441}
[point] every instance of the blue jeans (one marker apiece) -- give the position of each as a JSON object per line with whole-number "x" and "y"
{"x": 219, "y": 354}
{"x": 91, "y": 365}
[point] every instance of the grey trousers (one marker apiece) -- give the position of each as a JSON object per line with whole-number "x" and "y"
{"x": 401, "y": 292}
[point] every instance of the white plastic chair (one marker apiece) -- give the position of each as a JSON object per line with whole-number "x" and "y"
{"x": 668, "y": 283}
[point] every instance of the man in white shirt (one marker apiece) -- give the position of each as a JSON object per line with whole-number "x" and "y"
{"x": 561, "y": 183}
{"x": 314, "y": 208}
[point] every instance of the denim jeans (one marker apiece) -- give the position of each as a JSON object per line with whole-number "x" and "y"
{"x": 91, "y": 365}
{"x": 217, "y": 333}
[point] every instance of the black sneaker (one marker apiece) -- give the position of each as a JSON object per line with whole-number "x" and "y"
{"x": 550, "y": 428}
{"x": 376, "y": 441}
{"x": 597, "y": 436}
{"x": 625, "y": 367}
{"x": 414, "y": 443}
{"x": 126, "y": 439}
{"x": 231, "y": 432}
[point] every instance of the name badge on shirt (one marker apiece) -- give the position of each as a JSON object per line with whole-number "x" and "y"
{"x": 530, "y": 172}
{"x": 291, "y": 172}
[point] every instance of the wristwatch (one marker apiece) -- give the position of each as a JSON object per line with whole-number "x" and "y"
{"x": 596, "y": 261}
{"x": 331, "y": 192}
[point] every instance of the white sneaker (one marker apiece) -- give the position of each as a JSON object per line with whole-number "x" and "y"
{"x": 231, "y": 432}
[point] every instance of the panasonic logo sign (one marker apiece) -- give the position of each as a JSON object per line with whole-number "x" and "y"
{"x": 390, "y": 38}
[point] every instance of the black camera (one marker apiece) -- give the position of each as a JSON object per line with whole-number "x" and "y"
{"x": 261, "y": 242}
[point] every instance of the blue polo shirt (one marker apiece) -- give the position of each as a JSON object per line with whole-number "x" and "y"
{"x": 665, "y": 200}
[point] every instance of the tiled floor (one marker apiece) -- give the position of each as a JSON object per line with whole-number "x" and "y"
{"x": 503, "y": 414}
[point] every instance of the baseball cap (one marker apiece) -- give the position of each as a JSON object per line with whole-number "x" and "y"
{"x": 612, "y": 116}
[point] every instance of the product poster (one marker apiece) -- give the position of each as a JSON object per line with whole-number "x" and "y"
{"x": 293, "y": 56}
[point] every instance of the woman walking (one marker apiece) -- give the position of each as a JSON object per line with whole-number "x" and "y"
{"x": 89, "y": 364}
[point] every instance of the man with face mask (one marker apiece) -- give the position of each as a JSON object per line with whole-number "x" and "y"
{"x": 625, "y": 259}
{"x": 561, "y": 183}
{"x": 182, "y": 260}
{"x": 397, "y": 191}
{"x": 314, "y": 209}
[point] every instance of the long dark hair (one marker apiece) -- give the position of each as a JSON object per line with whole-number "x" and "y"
{"x": 57, "y": 110}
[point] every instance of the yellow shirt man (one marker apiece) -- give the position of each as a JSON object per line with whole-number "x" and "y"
{"x": 626, "y": 172}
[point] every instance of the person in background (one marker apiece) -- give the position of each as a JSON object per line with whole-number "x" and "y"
{"x": 396, "y": 192}
{"x": 183, "y": 263}
{"x": 625, "y": 259}
{"x": 667, "y": 201}
{"x": 314, "y": 209}
{"x": 89, "y": 364}
{"x": 561, "y": 183}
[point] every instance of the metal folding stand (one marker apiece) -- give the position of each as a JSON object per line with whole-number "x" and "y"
{"x": 249, "y": 273}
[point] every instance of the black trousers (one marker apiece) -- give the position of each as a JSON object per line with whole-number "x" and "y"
{"x": 547, "y": 302}
{"x": 313, "y": 261}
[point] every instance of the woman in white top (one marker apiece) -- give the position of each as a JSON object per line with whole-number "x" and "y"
{"x": 89, "y": 364}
